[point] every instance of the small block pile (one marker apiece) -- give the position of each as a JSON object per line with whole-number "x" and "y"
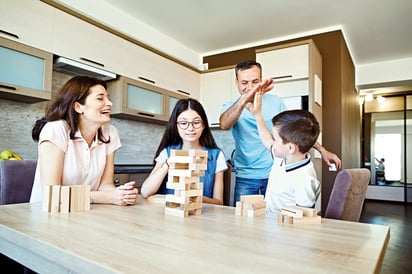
{"x": 57, "y": 198}
{"x": 250, "y": 205}
{"x": 299, "y": 215}
{"x": 185, "y": 169}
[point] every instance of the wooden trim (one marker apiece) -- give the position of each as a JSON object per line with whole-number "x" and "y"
{"x": 115, "y": 32}
{"x": 288, "y": 45}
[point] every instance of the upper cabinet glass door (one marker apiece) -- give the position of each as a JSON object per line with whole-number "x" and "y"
{"x": 25, "y": 72}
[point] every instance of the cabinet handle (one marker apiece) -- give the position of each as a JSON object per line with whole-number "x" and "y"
{"x": 9, "y": 34}
{"x": 147, "y": 80}
{"x": 184, "y": 92}
{"x": 215, "y": 124}
{"x": 91, "y": 61}
{"x": 8, "y": 87}
{"x": 146, "y": 114}
{"x": 282, "y": 77}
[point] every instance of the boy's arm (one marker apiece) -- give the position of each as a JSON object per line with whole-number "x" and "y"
{"x": 264, "y": 133}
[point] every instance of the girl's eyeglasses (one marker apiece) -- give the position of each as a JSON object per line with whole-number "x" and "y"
{"x": 185, "y": 124}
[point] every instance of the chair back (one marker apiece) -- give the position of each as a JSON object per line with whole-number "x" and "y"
{"x": 16, "y": 181}
{"x": 227, "y": 184}
{"x": 348, "y": 194}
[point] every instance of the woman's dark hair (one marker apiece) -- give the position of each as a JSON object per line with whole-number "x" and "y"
{"x": 299, "y": 127}
{"x": 62, "y": 108}
{"x": 171, "y": 135}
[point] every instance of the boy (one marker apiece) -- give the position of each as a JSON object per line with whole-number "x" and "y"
{"x": 292, "y": 179}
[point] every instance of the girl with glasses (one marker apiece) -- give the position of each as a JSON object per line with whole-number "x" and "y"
{"x": 188, "y": 129}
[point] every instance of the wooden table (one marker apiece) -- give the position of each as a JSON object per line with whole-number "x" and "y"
{"x": 142, "y": 239}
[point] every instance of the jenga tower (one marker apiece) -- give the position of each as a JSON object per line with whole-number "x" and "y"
{"x": 185, "y": 169}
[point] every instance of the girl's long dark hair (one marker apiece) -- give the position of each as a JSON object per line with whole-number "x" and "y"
{"x": 171, "y": 135}
{"x": 75, "y": 90}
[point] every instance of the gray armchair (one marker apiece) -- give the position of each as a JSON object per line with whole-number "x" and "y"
{"x": 348, "y": 194}
{"x": 16, "y": 181}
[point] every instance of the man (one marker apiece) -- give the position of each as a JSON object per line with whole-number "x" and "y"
{"x": 252, "y": 160}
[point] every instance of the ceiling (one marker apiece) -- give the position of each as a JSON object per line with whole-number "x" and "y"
{"x": 375, "y": 31}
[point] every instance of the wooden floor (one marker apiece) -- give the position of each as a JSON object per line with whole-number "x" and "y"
{"x": 398, "y": 256}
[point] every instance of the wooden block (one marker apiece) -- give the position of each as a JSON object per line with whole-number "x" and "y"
{"x": 288, "y": 219}
{"x": 65, "y": 199}
{"x": 198, "y": 166}
{"x": 185, "y": 180}
{"x": 47, "y": 198}
{"x": 75, "y": 198}
{"x": 183, "y": 186}
{"x": 176, "y": 212}
{"x": 180, "y": 159}
{"x": 198, "y": 153}
{"x": 292, "y": 211}
{"x": 55, "y": 199}
{"x": 308, "y": 220}
{"x": 239, "y": 208}
{"x": 259, "y": 205}
{"x": 191, "y": 206}
{"x": 182, "y": 172}
{"x": 176, "y": 199}
{"x": 86, "y": 197}
{"x": 156, "y": 199}
{"x": 256, "y": 212}
{"x": 251, "y": 198}
{"x": 310, "y": 212}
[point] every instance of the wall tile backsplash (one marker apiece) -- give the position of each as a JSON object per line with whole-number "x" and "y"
{"x": 139, "y": 139}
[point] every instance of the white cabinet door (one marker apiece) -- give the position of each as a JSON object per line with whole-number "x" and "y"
{"x": 289, "y": 63}
{"x": 217, "y": 87}
{"x": 83, "y": 42}
{"x": 146, "y": 66}
{"x": 182, "y": 80}
{"x": 28, "y": 22}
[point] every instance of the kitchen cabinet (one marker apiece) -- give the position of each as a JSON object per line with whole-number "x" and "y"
{"x": 136, "y": 100}
{"x": 25, "y": 72}
{"x": 172, "y": 98}
{"x": 297, "y": 71}
{"x": 81, "y": 41}
{"x": 149, "y": 67}
{"x": 28, "y": 22}
{"x": 285, "y": 63}
{"x": 217, "y": 86}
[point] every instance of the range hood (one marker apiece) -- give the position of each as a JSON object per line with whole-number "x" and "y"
{"x": 65, "y": 65}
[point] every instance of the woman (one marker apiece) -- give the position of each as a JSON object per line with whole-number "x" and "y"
{"x": 77, "y": 144}
{"x": 188, "y": 129}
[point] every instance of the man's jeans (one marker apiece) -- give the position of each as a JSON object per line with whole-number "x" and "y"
{"x": 246, "y": 186}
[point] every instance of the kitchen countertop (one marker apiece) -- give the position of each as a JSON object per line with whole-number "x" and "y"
{"x": 130, "y": 169}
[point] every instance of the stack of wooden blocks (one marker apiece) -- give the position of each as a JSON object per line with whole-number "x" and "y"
{"x": 185, "y": 169}
{"x": 250, "y": 205}
{"x": 299, "y": 215}
{"x": 57, "y": 198}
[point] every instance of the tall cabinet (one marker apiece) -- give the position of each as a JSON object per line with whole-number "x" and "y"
{"x": 297, "y": 71}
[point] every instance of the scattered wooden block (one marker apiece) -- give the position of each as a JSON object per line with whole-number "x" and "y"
{"x": 156, "y": 199}
{"x": 57, "y": 198}
{"x": 251, "y": 205}
{"x": 65, "y": 199}
{"x": 299, "y": 215}
{"x": 47, "y": 195}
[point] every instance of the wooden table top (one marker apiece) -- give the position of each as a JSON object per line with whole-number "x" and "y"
{"x": 141, "y": 238}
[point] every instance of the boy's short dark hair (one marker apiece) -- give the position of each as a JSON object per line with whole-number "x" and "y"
{"x": 299, "y": 127}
